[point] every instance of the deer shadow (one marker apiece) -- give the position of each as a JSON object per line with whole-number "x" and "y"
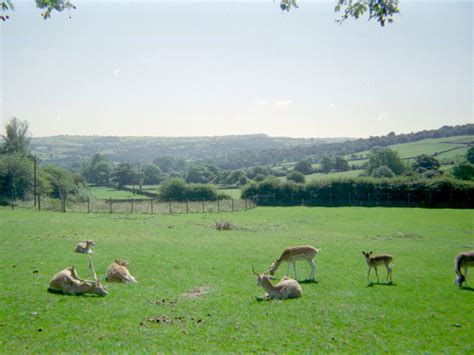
{"x": 467, "y": 288}
{"x": 308, "y": 281}
{"x": 372, "y": 284}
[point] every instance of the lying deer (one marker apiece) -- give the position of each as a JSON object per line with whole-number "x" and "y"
{"x": 67, "y": 281}
{"x": 463, "y": 260}
{"x": 118, "y": 272}
{"x": 292, "y": 254}
{"x": 286, "y": 288}
{"x": 374, "y": 260}
{"x": 85, "y": 247}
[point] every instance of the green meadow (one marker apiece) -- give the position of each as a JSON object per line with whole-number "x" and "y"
{"x": 197, "y": 282}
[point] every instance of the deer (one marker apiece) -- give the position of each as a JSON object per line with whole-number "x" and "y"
{"x": 374, "y": 260}
{"x": 286, "y": 288}
{"x": 68, "y": 282}
{"x": 118, "y": 272}
{"x": 85, "y": 247}
{"x": 463, "y": 260}
{"x": 292, "y": 254}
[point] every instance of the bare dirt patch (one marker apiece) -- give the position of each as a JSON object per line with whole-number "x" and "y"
{"x": 197, "y": 292}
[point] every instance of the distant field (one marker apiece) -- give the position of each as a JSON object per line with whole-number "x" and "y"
{"x": 431, "y": 147}
{"x": 172, "y": 255}
{"x": 333, "y": 175}
{"x": 101, "y": 193}
{"x": 233, "y": 193}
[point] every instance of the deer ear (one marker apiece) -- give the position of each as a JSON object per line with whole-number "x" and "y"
{"x": 371, "y": 252}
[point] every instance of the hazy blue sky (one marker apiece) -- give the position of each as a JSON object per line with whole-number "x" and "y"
{"x": 193, "y": 68}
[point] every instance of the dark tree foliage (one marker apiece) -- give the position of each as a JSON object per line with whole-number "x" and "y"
{"x": 470, "y": 155}
{"x": 464, "y": 171}
{"x": 304, "y": 166}
{"x": 16, "y": 177}
{"x": 341, "y": 164}
{"x": 327, "y": 164}
{"x": 385, "y": 157}
{"x": 98, "y": 170}
{"x": 152, "y": 174}
{"x": 16, "y": 138}
{"x": 296, "y": 176}
{"x": 125, "y": 174}
{"x": 61, "y": 182}
{"x": 426, "y": 162}
{"x": 47, "y": 5}
{"x": 178, "y": 190}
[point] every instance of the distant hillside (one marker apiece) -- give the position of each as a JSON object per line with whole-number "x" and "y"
{"x": 70, "y": 151}
{"x": 225, "y": 152}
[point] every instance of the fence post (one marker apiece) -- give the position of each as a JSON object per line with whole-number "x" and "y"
{"x": 218, "y": 207}
{"x": 88, "y": 205}
{"x": 246, "y": 204}
{"x": 170, "y": 208}
{"x": 202, "y": 206}
{"x": 187, "y": 206}
{"x": 110, "y": 203}
{"x": 132, "y": 205}
{"x": 13, "y": 205}
{"x": 39, "y": 202}
{"x": 151, "y": 205}
{"x": 232, "y": 205}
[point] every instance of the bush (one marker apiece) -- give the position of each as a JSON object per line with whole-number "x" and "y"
{"x": 383, "y": 172}
{"x": 296, "y": 176}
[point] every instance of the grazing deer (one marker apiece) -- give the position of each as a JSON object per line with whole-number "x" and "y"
{"x": 67, "y": 281}
{"x": 118, "y": 272}
{"x": 286, "y": 288}
{"x": 463, "y": 260}
{"x": 85, "y": 247}
{"x": 374, "y": 260}
{"x": 292, "y": 254}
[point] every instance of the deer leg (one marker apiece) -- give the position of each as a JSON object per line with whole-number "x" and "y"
{"x": 368, "y": 275}
{"x": 288, "y": 270}
{"x": 465, "y": 276}
{"x": 312, "y": 264}
{"x": 294, "y": 268}
{"x": 376, "y": 273}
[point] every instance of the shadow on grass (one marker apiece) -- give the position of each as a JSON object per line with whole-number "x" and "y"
{"x": 372, "y": 284}
{"x": 308, "y": 282}
{"x": 467, "y": 288}
{"x": 61, "y": 293}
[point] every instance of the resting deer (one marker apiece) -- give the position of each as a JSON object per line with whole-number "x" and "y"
{"x": 374, "y": 260}
{"x": 286, "y": 288}
{"x": 67, "y": 281}
{"x": 463, "y": 260}
{"x": 85, "y": 247}
{"x": 292, "y": 254}
{"x": 118, "y": 272}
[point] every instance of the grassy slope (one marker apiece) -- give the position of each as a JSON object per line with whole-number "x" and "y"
{"x": 102, "y": 193}
{"x": 172, "y": 254}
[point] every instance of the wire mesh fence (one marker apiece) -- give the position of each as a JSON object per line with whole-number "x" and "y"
{"x": 129, "y": 206}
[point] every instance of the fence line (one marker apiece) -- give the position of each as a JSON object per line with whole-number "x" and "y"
{"x": 129, "y": 206}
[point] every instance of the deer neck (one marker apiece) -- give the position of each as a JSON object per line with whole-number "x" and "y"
{"x": 268, "y": 287}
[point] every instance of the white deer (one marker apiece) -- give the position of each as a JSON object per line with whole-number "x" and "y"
{"x": 67, "y": 281}
{"x": 286, "y": 288}
{"x": 292, "y": 254}
{"x": 118, "y": 272}
{"x": 374, "y": 260}
{"x": 463, "y": 260}
{"x": 85, "y": 247}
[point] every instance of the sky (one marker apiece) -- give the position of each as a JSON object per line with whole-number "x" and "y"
{"x": 207, "y": 68}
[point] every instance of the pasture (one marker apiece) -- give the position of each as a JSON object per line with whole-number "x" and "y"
{"x": 104, "y": 193}
{"x": 196, "y": 292}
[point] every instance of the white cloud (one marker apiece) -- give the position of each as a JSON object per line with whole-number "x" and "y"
{"x": 284, "y": 102}
{"x": 261, "y": 102}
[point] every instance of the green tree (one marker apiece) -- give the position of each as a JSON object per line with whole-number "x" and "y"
{"x": 470, "y": 155}
{"x": 382, "y": 10}
{"x": 152, "y": 174}
{"x": 296, "y": 176}
{"x": 126, "y": 175}
{"x": 16, "y": 177}
{"x": 341, "y": 164}
{"x": 199, "y": 175}
{"x": 47, "y": 5}
{"x": 98, "y": 170}
{"x": 173, "y": 190}
{"x": 464, "y": 171}
{"x": 327, "y": 164}
{"x": 61, "y": 182}
{"x": 383, "y": 172}
{"x": 385, "y": 157}
{"x": 16, "y": 138}
{"x": 425, "y": 162}
{"x": 304, "y": 166}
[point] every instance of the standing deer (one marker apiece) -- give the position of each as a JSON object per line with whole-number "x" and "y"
{"x": 292, "y": 254}
{"x": 463, "y": 260}
{"x": 286, "y": 288}
{"x": 374, "y": 260}
{"x": 118, "y": 272}
{"x": 67, "y": 281}
{"x": 85, "y": 247}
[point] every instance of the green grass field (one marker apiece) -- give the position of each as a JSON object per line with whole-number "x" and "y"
{"x": 172, "y": 254}
{"x": 102, "y": 193}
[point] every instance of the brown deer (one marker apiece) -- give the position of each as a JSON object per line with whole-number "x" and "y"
{"x": 292, "y": 254}
{"x": 118, "y": 272}
{"x": 85, "y": 247}
{"x": 374, "y": 260}
{"x": 463, "y": 260}
{"x": 67, "y": 281}
{"x": 286, "y": 288}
